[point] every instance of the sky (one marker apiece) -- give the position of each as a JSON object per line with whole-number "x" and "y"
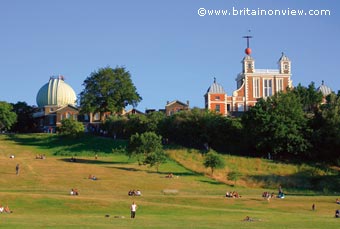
{"x": 171, "y": 52}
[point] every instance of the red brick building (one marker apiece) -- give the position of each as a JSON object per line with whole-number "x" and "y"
{"x": 252, "y": 84}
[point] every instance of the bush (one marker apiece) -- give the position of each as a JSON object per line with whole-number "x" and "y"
{"x": 71, "y": 128}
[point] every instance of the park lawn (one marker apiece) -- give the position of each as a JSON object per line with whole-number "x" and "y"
{"x": 39, "y": 195}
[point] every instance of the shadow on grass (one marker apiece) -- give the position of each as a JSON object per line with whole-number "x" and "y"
{"x": 88, "y": 161}
{"x": 60, "y": 145}
{"x": 300, "y": 183}
{"x": 126, "y": 169}
{"x": 213, "y": 182}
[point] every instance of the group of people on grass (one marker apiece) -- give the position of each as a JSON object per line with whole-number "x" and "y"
{"x": 170, "y": 175}
{"x": 74, "y": 192}
{"x": 337, "y": 212}
{"x": 5, "y": 209}
{"x": 268, "y": 195}
{"x": 92, "y": 177}
{"x": 40, "y": 156}
{"x": 232, "y": 194}
{"x": 135, "y": 193}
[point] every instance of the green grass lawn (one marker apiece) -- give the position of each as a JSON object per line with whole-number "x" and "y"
{"x": 39, "y": 195}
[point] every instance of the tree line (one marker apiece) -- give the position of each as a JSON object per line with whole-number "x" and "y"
{"x": 297, "y": 124}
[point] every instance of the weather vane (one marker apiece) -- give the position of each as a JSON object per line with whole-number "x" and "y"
{"x": 248, "y": 50}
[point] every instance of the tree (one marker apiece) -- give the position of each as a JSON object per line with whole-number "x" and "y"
{"x": 326, "y": 135}
{"x": 309, "y": 97}
{"x": 71, "y": 128}
{"x": 7, "y": 116}
{"x": 108, "y": 90}
{"x": 147, "y": 147}
{"x": 214, "y": 161}
{"x": 277, "y": 125}
{"x": 25, "y": 122}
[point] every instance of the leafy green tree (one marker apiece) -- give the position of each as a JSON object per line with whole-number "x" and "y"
{"x": 71, "y": 128}
{"x": 153, "y": 121}
{"x": 7, "y": 116}
{"x": 136, "y": 124}
{"x": 148, "y": 149}
{"x": 309, "y": 97}
{"x": 108, "y": 90}
{"x": 116, "y": 126}
{"x": 213, "y": 161}
{"x": 326, "y": 135}
{"x": 25, "y": 122}
{"x": 196, "y": 128}
{"x": 278, "y": 126}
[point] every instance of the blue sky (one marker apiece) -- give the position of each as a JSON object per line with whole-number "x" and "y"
{"x": 170, "y": 51}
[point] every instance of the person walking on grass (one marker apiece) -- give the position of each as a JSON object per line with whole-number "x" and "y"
{"x": 17, "y": 169}
{"x": 133, "y": 210}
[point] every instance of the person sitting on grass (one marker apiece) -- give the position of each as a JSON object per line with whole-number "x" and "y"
{"x": 170, "y": 175}
{"x": 1, "y": 208}
{"x": 7, "y": 210}
{"x": 337, "y": 213}
{"x": 74, "y": 192}
{"x": 138, "y": 192}
{"x": 92, "y": 177}
{"x": 337, "y": 201}
{"x": 248, "y": 219}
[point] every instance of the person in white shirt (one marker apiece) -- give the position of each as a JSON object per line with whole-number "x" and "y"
{"x": 133, "y": 210}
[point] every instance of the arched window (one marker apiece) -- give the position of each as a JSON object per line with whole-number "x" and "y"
{"x": 96, "y": 116}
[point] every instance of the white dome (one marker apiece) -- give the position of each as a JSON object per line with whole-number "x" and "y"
{"x": 324, "y": 89}
{"x": 215, "y": 88}
{"x": 56, "y": 92}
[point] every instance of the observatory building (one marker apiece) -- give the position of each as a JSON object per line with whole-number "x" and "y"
{"x": 56, "y": 101}
{"x": 252, "y": 84}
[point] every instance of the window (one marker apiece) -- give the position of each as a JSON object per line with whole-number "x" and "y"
{"x": 286, "y": 67}
{"x": 68, "y": 115}
{"x": 267, "y": 87}
{"x": 240, "y": 107}
{"x": 51, "y": 120}
{"x": 96, "y": 116}
{"x": 228, "y": 107}
{"x": 279, "y": 85}
{"x": 217, "y": 98}
{"x": 256, "y": 88}
{"x": 86, "y": 117}
{"x": 218, "y": 108}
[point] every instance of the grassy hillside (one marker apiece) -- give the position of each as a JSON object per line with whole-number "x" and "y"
{"x": 39, "y": 195}
{"x": 263, "y": 173}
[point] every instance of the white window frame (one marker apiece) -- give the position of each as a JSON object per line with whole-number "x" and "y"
{"x": 267, "y": 87}
{"x": 256, "y": 87}
{"x": 279, "y": 85}
{"x": 219, "y": 108}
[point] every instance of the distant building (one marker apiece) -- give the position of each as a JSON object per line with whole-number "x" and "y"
{"x": 56, "y": 101}
{"x": 175, "y": 106}
{"x": 216, "y": 99}
{"x": 325, "y": 90}
{"x": 252, "y": 84}
{"x": 133, "y": 111}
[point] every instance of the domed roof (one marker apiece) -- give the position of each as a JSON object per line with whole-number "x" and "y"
{"x": 215, "y": 88}
{"x": 56, "y": 92}
{"x": 324, "y": 89}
